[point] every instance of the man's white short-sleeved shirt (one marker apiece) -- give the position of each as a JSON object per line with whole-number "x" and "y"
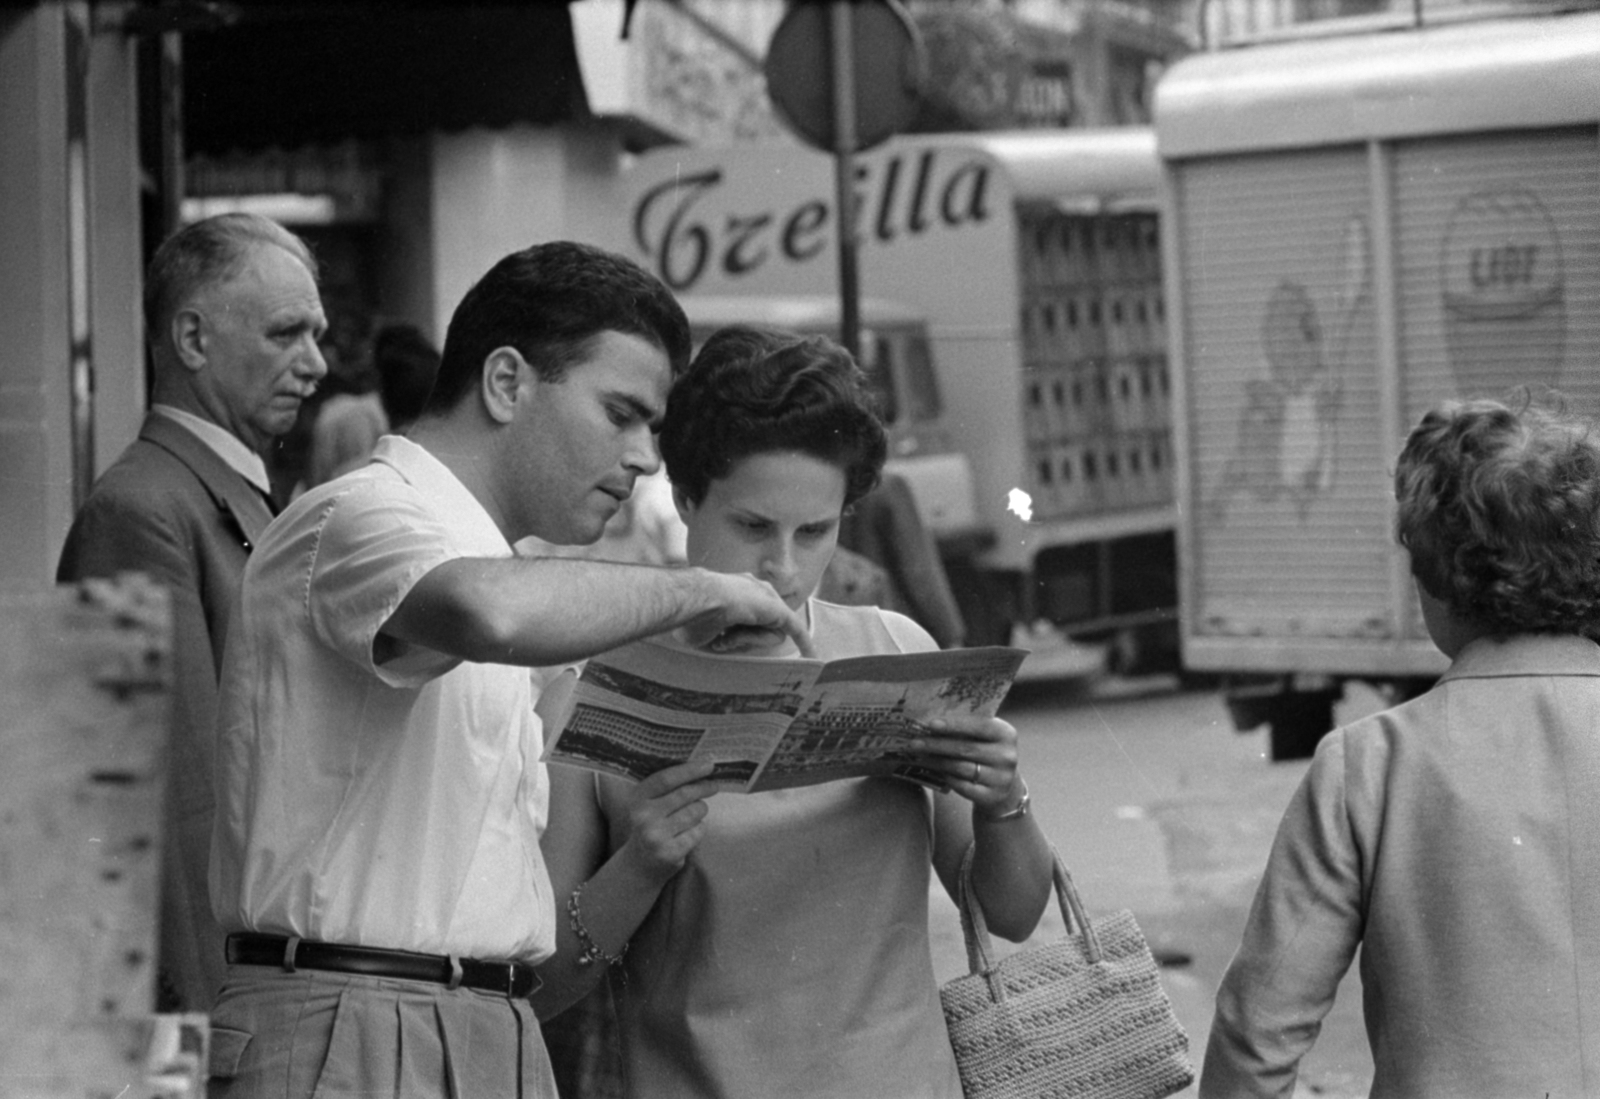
{"x": 395, "y": 804}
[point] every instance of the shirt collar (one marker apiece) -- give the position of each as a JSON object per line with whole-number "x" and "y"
{"x": 228, "y": 446}
{"x": 418, "y": 466}
{"x": 1526, "y": 654}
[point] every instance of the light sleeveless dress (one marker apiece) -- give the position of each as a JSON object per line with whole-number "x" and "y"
{"x": 790, "y": 956}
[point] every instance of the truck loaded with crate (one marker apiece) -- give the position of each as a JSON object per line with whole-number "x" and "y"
{"x": 1359, "y": 224}
{"x": 1013, "y": 315}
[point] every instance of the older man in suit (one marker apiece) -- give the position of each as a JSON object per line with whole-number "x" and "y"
{"x": 380, "y": 797}
{"x": 233, "y": 317}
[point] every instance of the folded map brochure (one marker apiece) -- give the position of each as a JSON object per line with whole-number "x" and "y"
{"x": 767, "y": 723}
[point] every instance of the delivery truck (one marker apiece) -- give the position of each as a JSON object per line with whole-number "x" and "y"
{"x": 1014, "y": 319}
{"x": 1358, "y": 226}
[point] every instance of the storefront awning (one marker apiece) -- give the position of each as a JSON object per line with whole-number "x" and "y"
{"x": 293, "y": 74}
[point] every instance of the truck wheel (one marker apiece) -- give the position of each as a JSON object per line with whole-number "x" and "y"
{"x": 986, "y": 604}
{"x": 1299, "y": 720}
{"x": 1125, "y": 655}
{"x": 1144, "y": 650}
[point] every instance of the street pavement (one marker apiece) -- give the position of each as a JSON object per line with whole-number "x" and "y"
{"x": 1157, "y": 805}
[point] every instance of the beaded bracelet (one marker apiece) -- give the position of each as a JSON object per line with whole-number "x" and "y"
{"x": 591, "y": 949}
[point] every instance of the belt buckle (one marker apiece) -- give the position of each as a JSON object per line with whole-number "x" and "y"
{"x": 533, "y": 983}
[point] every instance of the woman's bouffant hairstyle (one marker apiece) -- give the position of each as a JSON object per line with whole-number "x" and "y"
{"x": 755, "y": 390}
{"x": 1499, "y": 506}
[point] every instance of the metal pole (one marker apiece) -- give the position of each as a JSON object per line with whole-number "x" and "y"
{"x": 172, "y": 183}
{"x": 844, "y": 145}
{"x": 81, "y": 327}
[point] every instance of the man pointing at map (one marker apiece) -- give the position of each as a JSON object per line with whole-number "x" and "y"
{"x": 376, "y": 858}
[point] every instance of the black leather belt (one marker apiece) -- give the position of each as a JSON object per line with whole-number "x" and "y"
{"x": 517, "y": 980}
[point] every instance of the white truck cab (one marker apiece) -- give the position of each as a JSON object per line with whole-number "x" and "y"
{"x": 1012, "y": 293}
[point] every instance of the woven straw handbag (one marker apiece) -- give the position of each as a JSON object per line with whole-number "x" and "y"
{"x": 1085, "y": 1016}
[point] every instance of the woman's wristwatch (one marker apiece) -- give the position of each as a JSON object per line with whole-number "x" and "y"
{"x": 1017, "y": 812}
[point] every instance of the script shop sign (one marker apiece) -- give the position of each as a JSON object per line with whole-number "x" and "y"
{"x": 760, "y": 218}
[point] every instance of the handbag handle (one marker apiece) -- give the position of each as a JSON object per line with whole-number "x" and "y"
{"x": 975, "y": 929}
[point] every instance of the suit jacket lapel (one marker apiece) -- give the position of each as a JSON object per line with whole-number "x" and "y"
{"x": 232, "y": 492}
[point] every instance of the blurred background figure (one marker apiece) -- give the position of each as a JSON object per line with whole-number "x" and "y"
{"x": 646, "y": 530}
{"x": 405, "y": 361}
{"x": 886, "y": 528}
{"x": 383, "y": 398}
{"x": 347, "y": 427}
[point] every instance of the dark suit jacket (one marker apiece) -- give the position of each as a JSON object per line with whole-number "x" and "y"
{"x": 170, "y": 507}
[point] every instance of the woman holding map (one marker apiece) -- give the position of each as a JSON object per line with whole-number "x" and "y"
{"x": 776, "y": 943}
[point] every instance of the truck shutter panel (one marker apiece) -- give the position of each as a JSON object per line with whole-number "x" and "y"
{"x": 1499, "y": 238}
{"x": 1499, "y": 269}
{"x": 1288, "y": 511}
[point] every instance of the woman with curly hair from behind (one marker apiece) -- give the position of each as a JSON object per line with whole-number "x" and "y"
{"x": 1455, "y": 838}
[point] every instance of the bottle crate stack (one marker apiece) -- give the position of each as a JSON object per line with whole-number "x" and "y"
{"x": 1096, "y": 390}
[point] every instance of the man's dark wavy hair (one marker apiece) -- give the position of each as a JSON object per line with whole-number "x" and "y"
{"x": 1499, "y": 505}
{"x": 757, "y": 390}
{"x": 551, "y": 302}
